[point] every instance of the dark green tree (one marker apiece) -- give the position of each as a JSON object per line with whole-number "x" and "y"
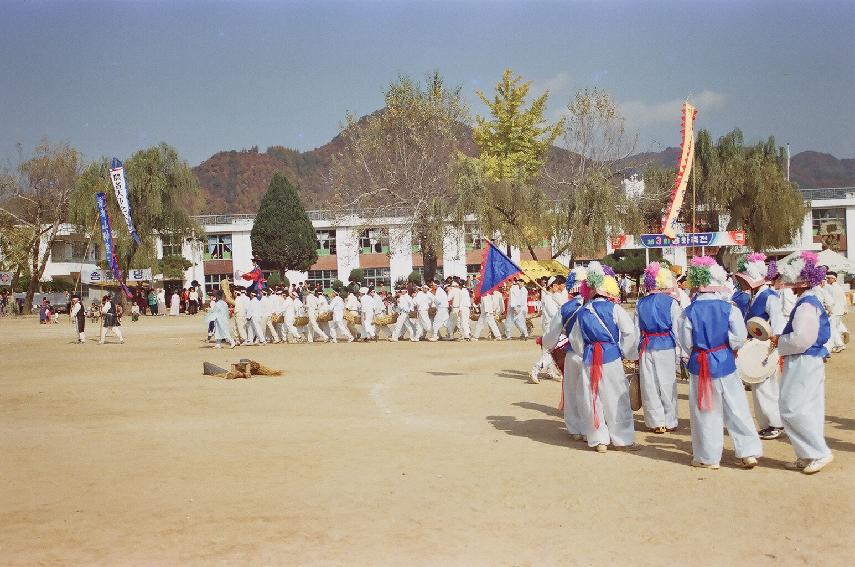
{"x": 283, "y": 237}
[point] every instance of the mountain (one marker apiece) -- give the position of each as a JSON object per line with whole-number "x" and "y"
{"x": 234, "y": 181}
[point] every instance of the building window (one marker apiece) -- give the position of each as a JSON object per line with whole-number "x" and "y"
{"x": 374, "y": 241}
{"x": 326, "y": 242}
{"x": 171, "y": 245}
{"x": 473, "y": 269}
{"x": 829, "y": 227}
{"x": 377, "y": 277}
{"x": 322, "y": 277}
{"x": 219, "y": 247}
{"x": 212, "y": 283}
{"x": 474, "y": 240}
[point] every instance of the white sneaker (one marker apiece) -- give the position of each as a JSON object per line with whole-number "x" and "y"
{"x": 700, "y": 465}
{"x": 748, "y": 462}
{"x": 817, "y": 465}
{"x": 602, "y": 448}
{"x": 533, "y": 379}
{"x": 797, "y": 465}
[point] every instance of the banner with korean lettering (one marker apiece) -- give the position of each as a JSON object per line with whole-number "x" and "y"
{"x": 107, "y": 235}
{"x": 98, "y": 276}
{"x": 684, "y": 168}
{"x": 120, "y": 186}
{"x": 724, "y": 238}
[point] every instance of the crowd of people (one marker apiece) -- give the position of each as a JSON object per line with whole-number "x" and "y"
{"x": 699, "y": 326}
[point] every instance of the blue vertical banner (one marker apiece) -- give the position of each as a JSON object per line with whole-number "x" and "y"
{"x": 120, "y": 186}
{"x": 107, "y": 235}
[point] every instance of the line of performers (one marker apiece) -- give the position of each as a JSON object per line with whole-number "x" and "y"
{"x": 592, "y": 335}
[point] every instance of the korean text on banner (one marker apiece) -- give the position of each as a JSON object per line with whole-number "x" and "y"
{"x": 120, "y": 186}
{"x": 107, "y": 235}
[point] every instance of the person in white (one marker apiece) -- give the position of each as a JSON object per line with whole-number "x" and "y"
{"x": 161, "y": 302}
{"x": 453, "y": 293}
{"x": 278, "y": 331}
{"x": 254, "y": 317}
{"x": 381, "y": 308}
{"x": 464, "y": 307}
{"x": 552, "y": 298}
{"x": 174, "y": 304}
{"x": 110, "y": 319}
{"x": 314, "y": 330}
{"x": 219, "y": 315}
{"x": 404, "y": 306}
{"x": 368, "y": 309}
{"x": 487, "y": 304}
{"x": 802, "y": 345}
{"x": 323, "y": 307}
{"x": 193, "y": 296}
{"x": 440, "y": 303}
{"x": 77, "y": 315}
{"x": 352, "y": 304}
{"x": 711, "y": 329}
{"x": 338, "y": 328}
{"x": 240, "y": 321}
{"x": 423, "y": 300}
{"x": 293, "y": 308}
{"x": 682, "y": 296}
{"x": 837, "y": 310}
{"x": 266, "y": 313}
{"x": 517, "y": 306}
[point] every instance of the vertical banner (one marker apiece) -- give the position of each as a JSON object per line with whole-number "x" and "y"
{"x": 684, "y": 168}
{"x": 107, "y": 235}
{"x": 120, "y": 186}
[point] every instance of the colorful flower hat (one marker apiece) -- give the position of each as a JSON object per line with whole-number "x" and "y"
{"x": 657, "y": 276}
{"x": 601, "y": 280}
{"x": 802, "y": 270}
{"x": 575, "y": 277}
{"x": 706, "y": 275}
{"x": 752, "y": 270}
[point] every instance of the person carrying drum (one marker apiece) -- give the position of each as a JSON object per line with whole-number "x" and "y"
{"x": 753, "y": 276}
{"x": 656, "y": 317}
{"x": 604, "y": 332}
{"x": 711, "y": 329}
{"x": 802, "y": 346}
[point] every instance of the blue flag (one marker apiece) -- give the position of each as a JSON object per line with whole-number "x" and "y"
{"x": 496, "y": 269}
{"x": 107, "y": 235}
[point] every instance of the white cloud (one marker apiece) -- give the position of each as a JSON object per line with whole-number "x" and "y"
{"x": 640, "y": 113}
{"x": 555, "y": 85}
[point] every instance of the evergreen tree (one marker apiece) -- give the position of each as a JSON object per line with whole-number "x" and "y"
{"x": 283, "y": 237}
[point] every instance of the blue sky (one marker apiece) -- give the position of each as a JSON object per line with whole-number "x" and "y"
{"x": 113, "y": 77}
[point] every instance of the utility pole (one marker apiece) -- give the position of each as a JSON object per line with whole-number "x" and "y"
{"x": 788, "y": 161}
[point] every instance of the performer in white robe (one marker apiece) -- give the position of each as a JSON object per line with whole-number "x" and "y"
{"x": 313, "y": 305}
{"x": 463, "y": 310}
{"x": 175, "y": 304}
{"x": 517, "y": 308}
{"x": 487, "y": 317}
{"x": 802, "y": 345}
{"x": 338, "y": 327}
{"x": 293, "y": 309}
{"x": 352, "y": 304}
{"x": 711, "y": 329}
{"x": 552, "y": 298}
{"x": 423, "y": 300}
{"x": 605, "y": 334}
{"x": 404, "y": 306}
{"x": 452, "y": 323}
{"x": 657, "y": 317}
{"x": 368, "y": 309}
{"x": 219, "y": 315}
{"x": 838, "y": 308}
{"x": 440, "y": 303}
{"x": 240, "y": 320}
{"x": 78, "y": 317}
{"x": 254, "y": 315}
{"x": 765, "y": 304}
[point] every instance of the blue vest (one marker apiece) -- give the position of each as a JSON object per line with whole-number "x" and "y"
{"x": 593, "y": 331}
{"x": 758, "y": 306}
{"x": 818, "y": 348}
{"x": 710, "y": 324}
{"x": 654, "y": 316}
{"x": 742, "y": 299}
{"x": 569, "y": 311}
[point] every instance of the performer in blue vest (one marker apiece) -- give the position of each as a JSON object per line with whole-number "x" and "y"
{"x": 605, "y": 334}
{"x": 766, "y": 304}
{"x": 802, "y": 345}
{"x": 711, "y": 329}
{"x": 556, "y": 341}
{"x": 741, "y": 299}
{"x": 656, "y": 317}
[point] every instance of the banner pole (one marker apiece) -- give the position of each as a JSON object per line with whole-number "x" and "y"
{"x": 83, "y": 260}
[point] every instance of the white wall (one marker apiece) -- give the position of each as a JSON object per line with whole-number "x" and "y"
{"x": 347, "y": 251}
{"x": 400, "y": 253}
{"x": 453, "y": 253}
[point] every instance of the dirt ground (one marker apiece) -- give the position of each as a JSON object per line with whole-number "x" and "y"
{"x": 371, "y": 454}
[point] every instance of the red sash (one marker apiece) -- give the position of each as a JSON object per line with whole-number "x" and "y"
{"x": 704, "y": 379}
{"x": 596, "y": 374}
{"x": 646, "y": 339}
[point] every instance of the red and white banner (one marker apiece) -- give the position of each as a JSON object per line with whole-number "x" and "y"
{"x": 684, "y": 168}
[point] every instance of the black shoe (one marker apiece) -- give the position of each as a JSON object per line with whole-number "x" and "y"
{"x": 770, "y": 433}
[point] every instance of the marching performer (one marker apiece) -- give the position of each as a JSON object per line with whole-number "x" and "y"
{"x": 605, "y": 334}
{"x": 711, "y": 329}
{"x": 254, "y": 314}
{"x": 517, "y": 307}
{"x": 110, "y": 319}
{"x": 78, "y": 317}
{"x": 423, "y": 300}
{"x": 765, "y": 304}
{"x": 656, "y": 317}
{"x": 553, "y": 297}
{"x": 462, "y": 311}
{"x": 836, "y": 312}
{"x": 240, "y": 320}
{"x": 368, "y": 308}
{"x": 404, "y": 306}
{"x": 487, "y": 304}
{"x": 337, "y": 326}
{"x": 801, "y": 344}
{"x": 291, "y": 308}
{"x": 352, "y": 304}
{"x": 313, "y": 306}
{"x": 440, "y": 303}
{"x": 219, "y": 316}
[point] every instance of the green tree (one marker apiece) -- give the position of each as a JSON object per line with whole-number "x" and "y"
{"x": 163, "y": 193}
{"x": 283, "y": 237}
{"x": 357, "y": 275}
{"x": 395, "y": 162}
{"x": 498, "y": 186}
{"x": 747, "y": 186}
{"x": 34, "y": 199}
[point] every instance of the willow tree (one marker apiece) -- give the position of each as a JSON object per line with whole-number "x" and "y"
{"x": 396, "y": 162}
{"x": 499, "y": 186}
{"x": 748, "y": 186}
{"x": 591, "y": 206}
{"x": 163, "y": 192}
{"x": 34, "y": 201}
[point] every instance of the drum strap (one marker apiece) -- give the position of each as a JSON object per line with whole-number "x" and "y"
{"x": 704, "y": 379}
{"x": 646, "y": 340}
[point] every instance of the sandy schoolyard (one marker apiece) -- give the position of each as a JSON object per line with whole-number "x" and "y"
{"x": 372, "y": 454}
